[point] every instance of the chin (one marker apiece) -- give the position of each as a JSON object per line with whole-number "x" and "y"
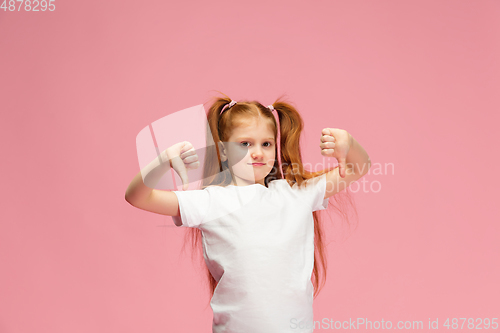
{"x": 247, "y": 172}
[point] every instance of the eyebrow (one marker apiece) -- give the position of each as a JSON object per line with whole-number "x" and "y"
{"x": 245, "y": 138}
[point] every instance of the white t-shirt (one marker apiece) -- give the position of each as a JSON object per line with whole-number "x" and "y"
{"x": 258, "y": 243}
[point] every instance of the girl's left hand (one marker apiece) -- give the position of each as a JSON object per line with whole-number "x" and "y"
{"x": 336, "y": 142}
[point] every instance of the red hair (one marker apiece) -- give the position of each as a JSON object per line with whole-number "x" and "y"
{"x": 217, "y": 173}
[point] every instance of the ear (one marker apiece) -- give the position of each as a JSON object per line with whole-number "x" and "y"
{"x": 223, "y": 152}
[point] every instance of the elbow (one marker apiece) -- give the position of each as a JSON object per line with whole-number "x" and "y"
{"x": 127, "y": 199}
{"x": 136, "y": 199}
{"x": 363, "y": 169}
{"x": 127, "y": 196}
{"x": 130, "y": 199}
{"x": 131, "y": 196}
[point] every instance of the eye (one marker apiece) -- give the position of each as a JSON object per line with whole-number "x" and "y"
{"x": 244, "y": 142}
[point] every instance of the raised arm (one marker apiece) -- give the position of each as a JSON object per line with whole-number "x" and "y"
{"x": 141, "y": 194}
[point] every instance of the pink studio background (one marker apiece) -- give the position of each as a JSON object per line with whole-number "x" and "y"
{"x": 415, "y": 82}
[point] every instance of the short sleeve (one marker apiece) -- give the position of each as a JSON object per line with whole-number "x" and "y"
{"x": 313, "y": 191}
{"x": 193, "y": 207}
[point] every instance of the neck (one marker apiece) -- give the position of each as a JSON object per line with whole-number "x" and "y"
{"x": 243, "y": 182}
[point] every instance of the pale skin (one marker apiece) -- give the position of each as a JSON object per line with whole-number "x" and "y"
{"x": 253, "y": 142}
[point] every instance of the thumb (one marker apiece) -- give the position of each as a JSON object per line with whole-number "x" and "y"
{"x": 342, "y": 167}
{"x": 180, "y": 168}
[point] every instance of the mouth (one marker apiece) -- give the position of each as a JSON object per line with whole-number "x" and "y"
{"x": 258, "y": 164}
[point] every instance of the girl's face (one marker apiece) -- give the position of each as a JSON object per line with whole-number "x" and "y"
{"x": 250, "y": 152}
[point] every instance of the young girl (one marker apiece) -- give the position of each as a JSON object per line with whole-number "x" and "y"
{"x": 255, "y": 219}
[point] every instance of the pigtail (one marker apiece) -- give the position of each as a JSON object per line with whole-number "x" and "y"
{"x": 291, "y": 125}
{"x": 214, "y": 172}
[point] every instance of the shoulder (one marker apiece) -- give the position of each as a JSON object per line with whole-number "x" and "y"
{"x": 293, "y": 185}
{"x": 213, "y": 188}
{"x": 310, "y": 194}
{"x": 279, "y": 183}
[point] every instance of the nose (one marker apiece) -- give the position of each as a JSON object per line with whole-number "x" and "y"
{"x": 257, "y": 153}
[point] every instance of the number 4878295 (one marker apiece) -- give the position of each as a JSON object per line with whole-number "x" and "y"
{"x": 29, "y": 5}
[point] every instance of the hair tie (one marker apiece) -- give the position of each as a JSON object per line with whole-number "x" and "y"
{"x": 271, "y": 108}
{"x": 228, "y": 106}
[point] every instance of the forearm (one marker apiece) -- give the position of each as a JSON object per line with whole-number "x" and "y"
{"x": 357, "y": 158}
{"x": 140, "y": 189}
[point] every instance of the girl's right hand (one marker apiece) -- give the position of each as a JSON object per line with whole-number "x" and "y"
{"x": 182, "y": 156}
